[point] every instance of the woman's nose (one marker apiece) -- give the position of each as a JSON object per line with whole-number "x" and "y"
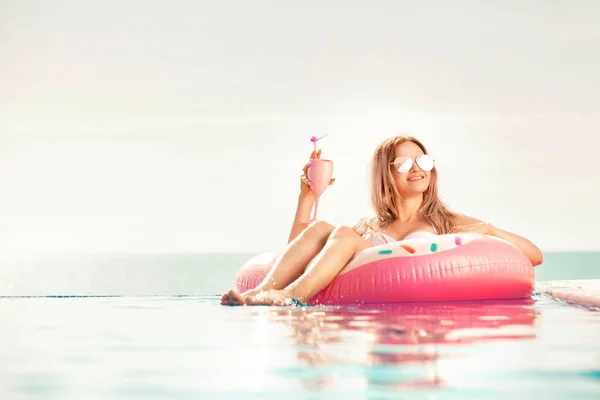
{"x": 415, "y": 167}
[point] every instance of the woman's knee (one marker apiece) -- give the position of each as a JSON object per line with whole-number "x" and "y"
{"x": 318, "y": 230}
{"x": 344, "y": 232}
{"x": 348, "y": 235}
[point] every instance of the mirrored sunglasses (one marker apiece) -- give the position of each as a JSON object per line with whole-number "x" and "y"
{"x": 404, "y": 164}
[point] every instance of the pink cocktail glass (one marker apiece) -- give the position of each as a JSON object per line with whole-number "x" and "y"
{"x": 319, "y": 174}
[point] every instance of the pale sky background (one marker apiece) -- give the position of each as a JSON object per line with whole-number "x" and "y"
{"x": 155, "y": 126}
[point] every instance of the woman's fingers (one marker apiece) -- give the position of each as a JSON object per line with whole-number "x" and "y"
{"x": 304, "y": 176}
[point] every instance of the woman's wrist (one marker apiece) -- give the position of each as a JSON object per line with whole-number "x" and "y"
{"x": 491, "y": 230}
{"x": 304, "y": 207}
{"x": 306, "y": 198}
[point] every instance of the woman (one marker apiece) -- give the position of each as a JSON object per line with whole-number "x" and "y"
{"x": 404, "y": 196}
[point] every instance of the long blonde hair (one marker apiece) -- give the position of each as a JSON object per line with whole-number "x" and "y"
{"x": 384, "y": 193}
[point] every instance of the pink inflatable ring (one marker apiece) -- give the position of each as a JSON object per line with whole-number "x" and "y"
{"x": 436, "y": 268}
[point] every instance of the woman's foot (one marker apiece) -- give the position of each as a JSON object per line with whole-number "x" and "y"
{"x": 271, "y": 298}
{"x": 234, "y": 298}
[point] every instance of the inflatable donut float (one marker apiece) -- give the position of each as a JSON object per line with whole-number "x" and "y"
{"x": 436, "y": 268}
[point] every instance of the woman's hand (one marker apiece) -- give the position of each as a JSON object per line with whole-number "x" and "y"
{"x": 306, "y": 201}
{"x": 304, "y": 182}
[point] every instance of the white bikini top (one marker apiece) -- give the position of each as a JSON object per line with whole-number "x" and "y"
{"x": 420, "y": 234}
{"x": 382, "y": 238}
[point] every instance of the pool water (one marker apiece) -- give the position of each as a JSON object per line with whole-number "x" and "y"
{"x": 193, "y": 348}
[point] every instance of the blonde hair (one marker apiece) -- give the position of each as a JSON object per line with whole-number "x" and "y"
{"x": 384, "y": 193}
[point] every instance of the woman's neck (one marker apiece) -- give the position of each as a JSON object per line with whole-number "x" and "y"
{"x": 407, "y": 208}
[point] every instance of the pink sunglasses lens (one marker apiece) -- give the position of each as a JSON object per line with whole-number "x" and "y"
{"x": 425, "y": 162}
{"x": 403, "y": 164}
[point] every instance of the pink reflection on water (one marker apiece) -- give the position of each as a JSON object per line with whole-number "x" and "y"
{"x": 400, "y": 337}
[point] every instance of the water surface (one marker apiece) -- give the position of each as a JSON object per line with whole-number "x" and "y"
{"x": 193, "y": 348}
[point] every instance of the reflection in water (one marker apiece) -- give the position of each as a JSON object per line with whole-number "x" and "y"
{"x": 396, "y": 345}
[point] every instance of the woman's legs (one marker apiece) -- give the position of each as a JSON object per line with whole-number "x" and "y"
{"x": 341, "y": 246}
{"x": 290, "y": 264}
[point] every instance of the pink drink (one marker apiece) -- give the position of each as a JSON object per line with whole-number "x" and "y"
{"x": 319, "y": 175}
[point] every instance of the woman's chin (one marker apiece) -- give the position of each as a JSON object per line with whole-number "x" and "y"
{"x": 411, "y": 193}
{"x": 416, "y": 187}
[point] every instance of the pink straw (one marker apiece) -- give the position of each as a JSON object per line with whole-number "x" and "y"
{"x": 314, "y": 139}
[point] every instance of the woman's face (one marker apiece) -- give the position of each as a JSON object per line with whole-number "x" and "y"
{"x": 411, "y": 169}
